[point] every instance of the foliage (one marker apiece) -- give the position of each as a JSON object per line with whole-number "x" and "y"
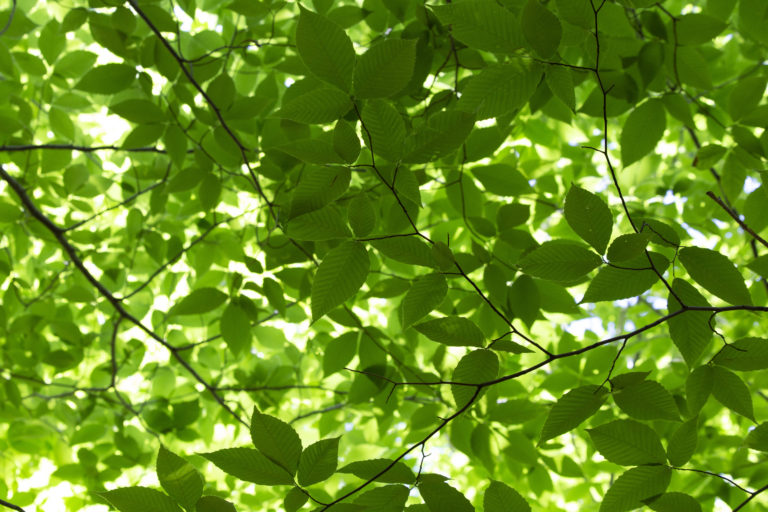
{"x": 383, "y": 255}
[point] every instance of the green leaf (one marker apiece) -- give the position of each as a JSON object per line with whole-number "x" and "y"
{"x": 481, "y": 24}
{"x": 502, "y": 179}
{"x": 389, "y": 498}
{"x": 444, "y": 133}
{"x": 405, "y": 249}
{"x": 588, "y": 215}
{"x": 345, "y": 142}
{"x": 758, "y": 438}
{"x": 318, "y": 187}
{"x": 322, "y": 105}
{"x": 339, "y": 352}
{"x": 690, "y": 331}
{"x": 682, "y": 444}
{"x": 559, "y": 260}
{"x": 425, "y": 294}
{"x": 198, "y": 302}
{"x": 698, "y": 387}
{"x": 635, "y": 485}
{"x": 399, "y": 473}
{"x": 746, "y": 354}
{"x": 318, "y": 461}
{"x": 647, "y": 400}
{"x": 541, "y": 28}
{"x": 107, "y": 79}
{"x": 730, "y": 390}
{"x": 214, "y": 504}
{"x": 179, "y": 478}
{"x": 384, "y": 129}
{"x": 385, "y": 69}
{"x": 499, "y": 497}
{"x": 323, "y": 224}
{"x": 627, "y": 247}
{"x": 628, "y": 443}
{"x": 139, "y": 499}
{"x": 139, "y": 111}
{"x": 276, "y": 439}
{"x": 249, "y": 465}
{"x": 642, "y": 131}
{"x": 235, "y": 328}
{"x": 312, "y": 151}
{"x": 340, "y": 275}
{"x": 294, "y": 500}
{"x": 441, "y": 497}
{"x": 746, "y": 95}
{"x": 716, "y": 274}
{"x": 675, "y": 502}
{"x": 571, "y": 410}
{"x": 698, "y": 28}
{"x": 325, "y": 49}
{"x": 560, "y": 82}
{"x": 524, "y": 300}
{"x": 453, "y": 331}
{"x": 499, "y": 89}
{"x": 631, "y": 279}
{"x": 474, "y": 368}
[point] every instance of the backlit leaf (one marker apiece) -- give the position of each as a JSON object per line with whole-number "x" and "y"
{"x": 325, "y": 49}
{"x": 642, "y": 131}
{"x": 318, "y": 461}
{"x": 571, "y": 410}
{"x": 715, "y": 273}
{"x": 340, "y": 275}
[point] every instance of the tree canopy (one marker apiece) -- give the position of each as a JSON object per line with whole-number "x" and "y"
{"x": 383, "y": 255}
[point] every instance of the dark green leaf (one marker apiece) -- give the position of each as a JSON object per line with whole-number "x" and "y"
{"x": 627, "y": 247}
{"x": 399, "y": 473}
{"x": 647, "y": 400}
{"x": 249, "y": 465}
{"x": 588, "y": 215}
{"x": 454, "y": 331}
{"x": 499, "y": 497}
{"x": 499, "y": 89}
{"x": 628, "y": 442}
{"x": 179, "y": 478}
{"x": 140, "y": 499}
{"x": 559, "y": 260}
{"x": 630, "y": 279}
{"x": 682, "y": 444}
{"x": 541, "y": 28}
{"x": 571, "y": 410}
{"x": 107, "y": 79}
{"x": 198, "y": 302}
{"x": 340, "y": 275}
{"x": 385, "y": 69}
{"x": 481, "y": 24}
{"x": 441, "y": 497}
{"x": 690, "y": 331}
{"x": 235, "y": 328}
{"x": 642, "y": 131}
{"x": 325, "y": 49}
{"x": 474, "y": 368}
{"x": 675, "y": 502}
{"x": 635, "y": 485}
{"x": 502, "y": 179}
{"x": 323, "y": 105}
{"x": 276, "y": 439}
{"x": 732, "y": 392}
{"x": 715, "y": 273}
{"x": 746, "y": 354}
{"x": 318, "y": 461}
{"x": 426, "y": 293}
